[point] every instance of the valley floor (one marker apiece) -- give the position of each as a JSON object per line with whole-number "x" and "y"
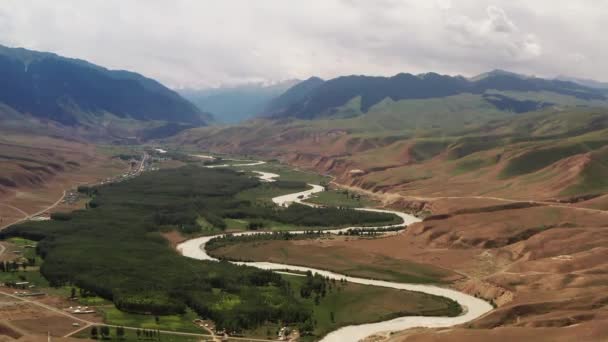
{"x": 543, "y": 264}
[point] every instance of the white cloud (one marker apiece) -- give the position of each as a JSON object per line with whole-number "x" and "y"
{"x": 498, "y": 21}
{"x": 494, "y": 36}
{"x": 444, "y": 4}
{"x": 204, "y": 43}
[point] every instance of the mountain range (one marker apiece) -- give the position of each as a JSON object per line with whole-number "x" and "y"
{"x": 316, "y": 98}
{"x": 77, "y": 94}
{"x": 584, "y": 82}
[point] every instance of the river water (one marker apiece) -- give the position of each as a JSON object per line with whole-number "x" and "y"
{"x": 472, "y": 307}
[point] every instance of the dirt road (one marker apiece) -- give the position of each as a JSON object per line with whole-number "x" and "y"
{"x": 500, "y": 199}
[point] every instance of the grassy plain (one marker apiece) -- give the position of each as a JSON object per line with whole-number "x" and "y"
{"x": 181, "y": 323}
{"x": 320, "y": 254}
{"x": 341, "y": 198}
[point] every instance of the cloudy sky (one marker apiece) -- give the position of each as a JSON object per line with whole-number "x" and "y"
{"x": 205, "y": 43}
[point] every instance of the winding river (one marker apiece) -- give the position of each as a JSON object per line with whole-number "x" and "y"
{"x": 472, "y": 307}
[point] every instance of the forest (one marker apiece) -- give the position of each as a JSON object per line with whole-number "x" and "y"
{"x": 115, "y": 249}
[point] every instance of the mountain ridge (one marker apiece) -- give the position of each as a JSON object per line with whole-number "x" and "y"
{"x": 322, "y": 99}
{"x": 76, "y": 93}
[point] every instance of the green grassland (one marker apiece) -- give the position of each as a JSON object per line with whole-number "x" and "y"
{"x": 341, "y": 198}
{"x": 594, "y": 178}
{"x": 449, "y": 114}
{"x": 179, "y": 322}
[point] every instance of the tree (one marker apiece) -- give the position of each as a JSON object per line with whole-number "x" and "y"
{"x": 307, "y": 328}
{"x": 105, "y": 332}
{"x": 94, "y": 333}
{"x": 331, "y": 317}
{"x": 120, "y": 332}
{"x": 325, "y": 185}
{"x": 73, "y": 294}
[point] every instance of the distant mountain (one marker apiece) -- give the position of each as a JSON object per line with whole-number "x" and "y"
{"x": 584, "y": 82}
{"x": 76, "y": 93}
{"x": 293, "y": 95}
{"x": 498, "y": 72}
{"x": 239, "y": 103}
{"x": 318, "y": 99}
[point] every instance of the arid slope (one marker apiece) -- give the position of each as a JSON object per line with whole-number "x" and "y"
{"x": 36, "y": 169}
{"x": 515, "y": 206}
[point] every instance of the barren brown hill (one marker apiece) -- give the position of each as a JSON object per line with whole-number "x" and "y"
{"x": 35, "y": 170}
{"x": 550, "y": 155}
{"x": 515, "y": 207}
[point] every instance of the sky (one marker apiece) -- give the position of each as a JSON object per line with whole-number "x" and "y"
{"x": 205, "y": 43}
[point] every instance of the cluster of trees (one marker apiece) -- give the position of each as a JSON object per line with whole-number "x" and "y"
{"x": 116, "y": 251}
{"x": 303, "y": 215}
{"x": 293, "y": 185}
{"x": 87, "y": 190}
{"x": 147, "y": 334}
{"x": 228, "y": 239}
{"x": 13, "y": 266}
{"x": 319, "y": 286}
{"x": 127, "y": 156}
{"x": 255, "y": 225}
{"x": 252, "y": 309}
{"x": 316, "y": 284}
{"x": 61, "y": 216}
{"x": 370, "y": 232}
{"x": 351, "y": 195}
{"x": 103, "y": 332}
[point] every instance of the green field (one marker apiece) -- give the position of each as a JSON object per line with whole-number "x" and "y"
{"x": 181, "y": 323}
{"x": 341, "y": 198}
{"x": 356, "y": 304}
{"x": 593, "y": 178}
